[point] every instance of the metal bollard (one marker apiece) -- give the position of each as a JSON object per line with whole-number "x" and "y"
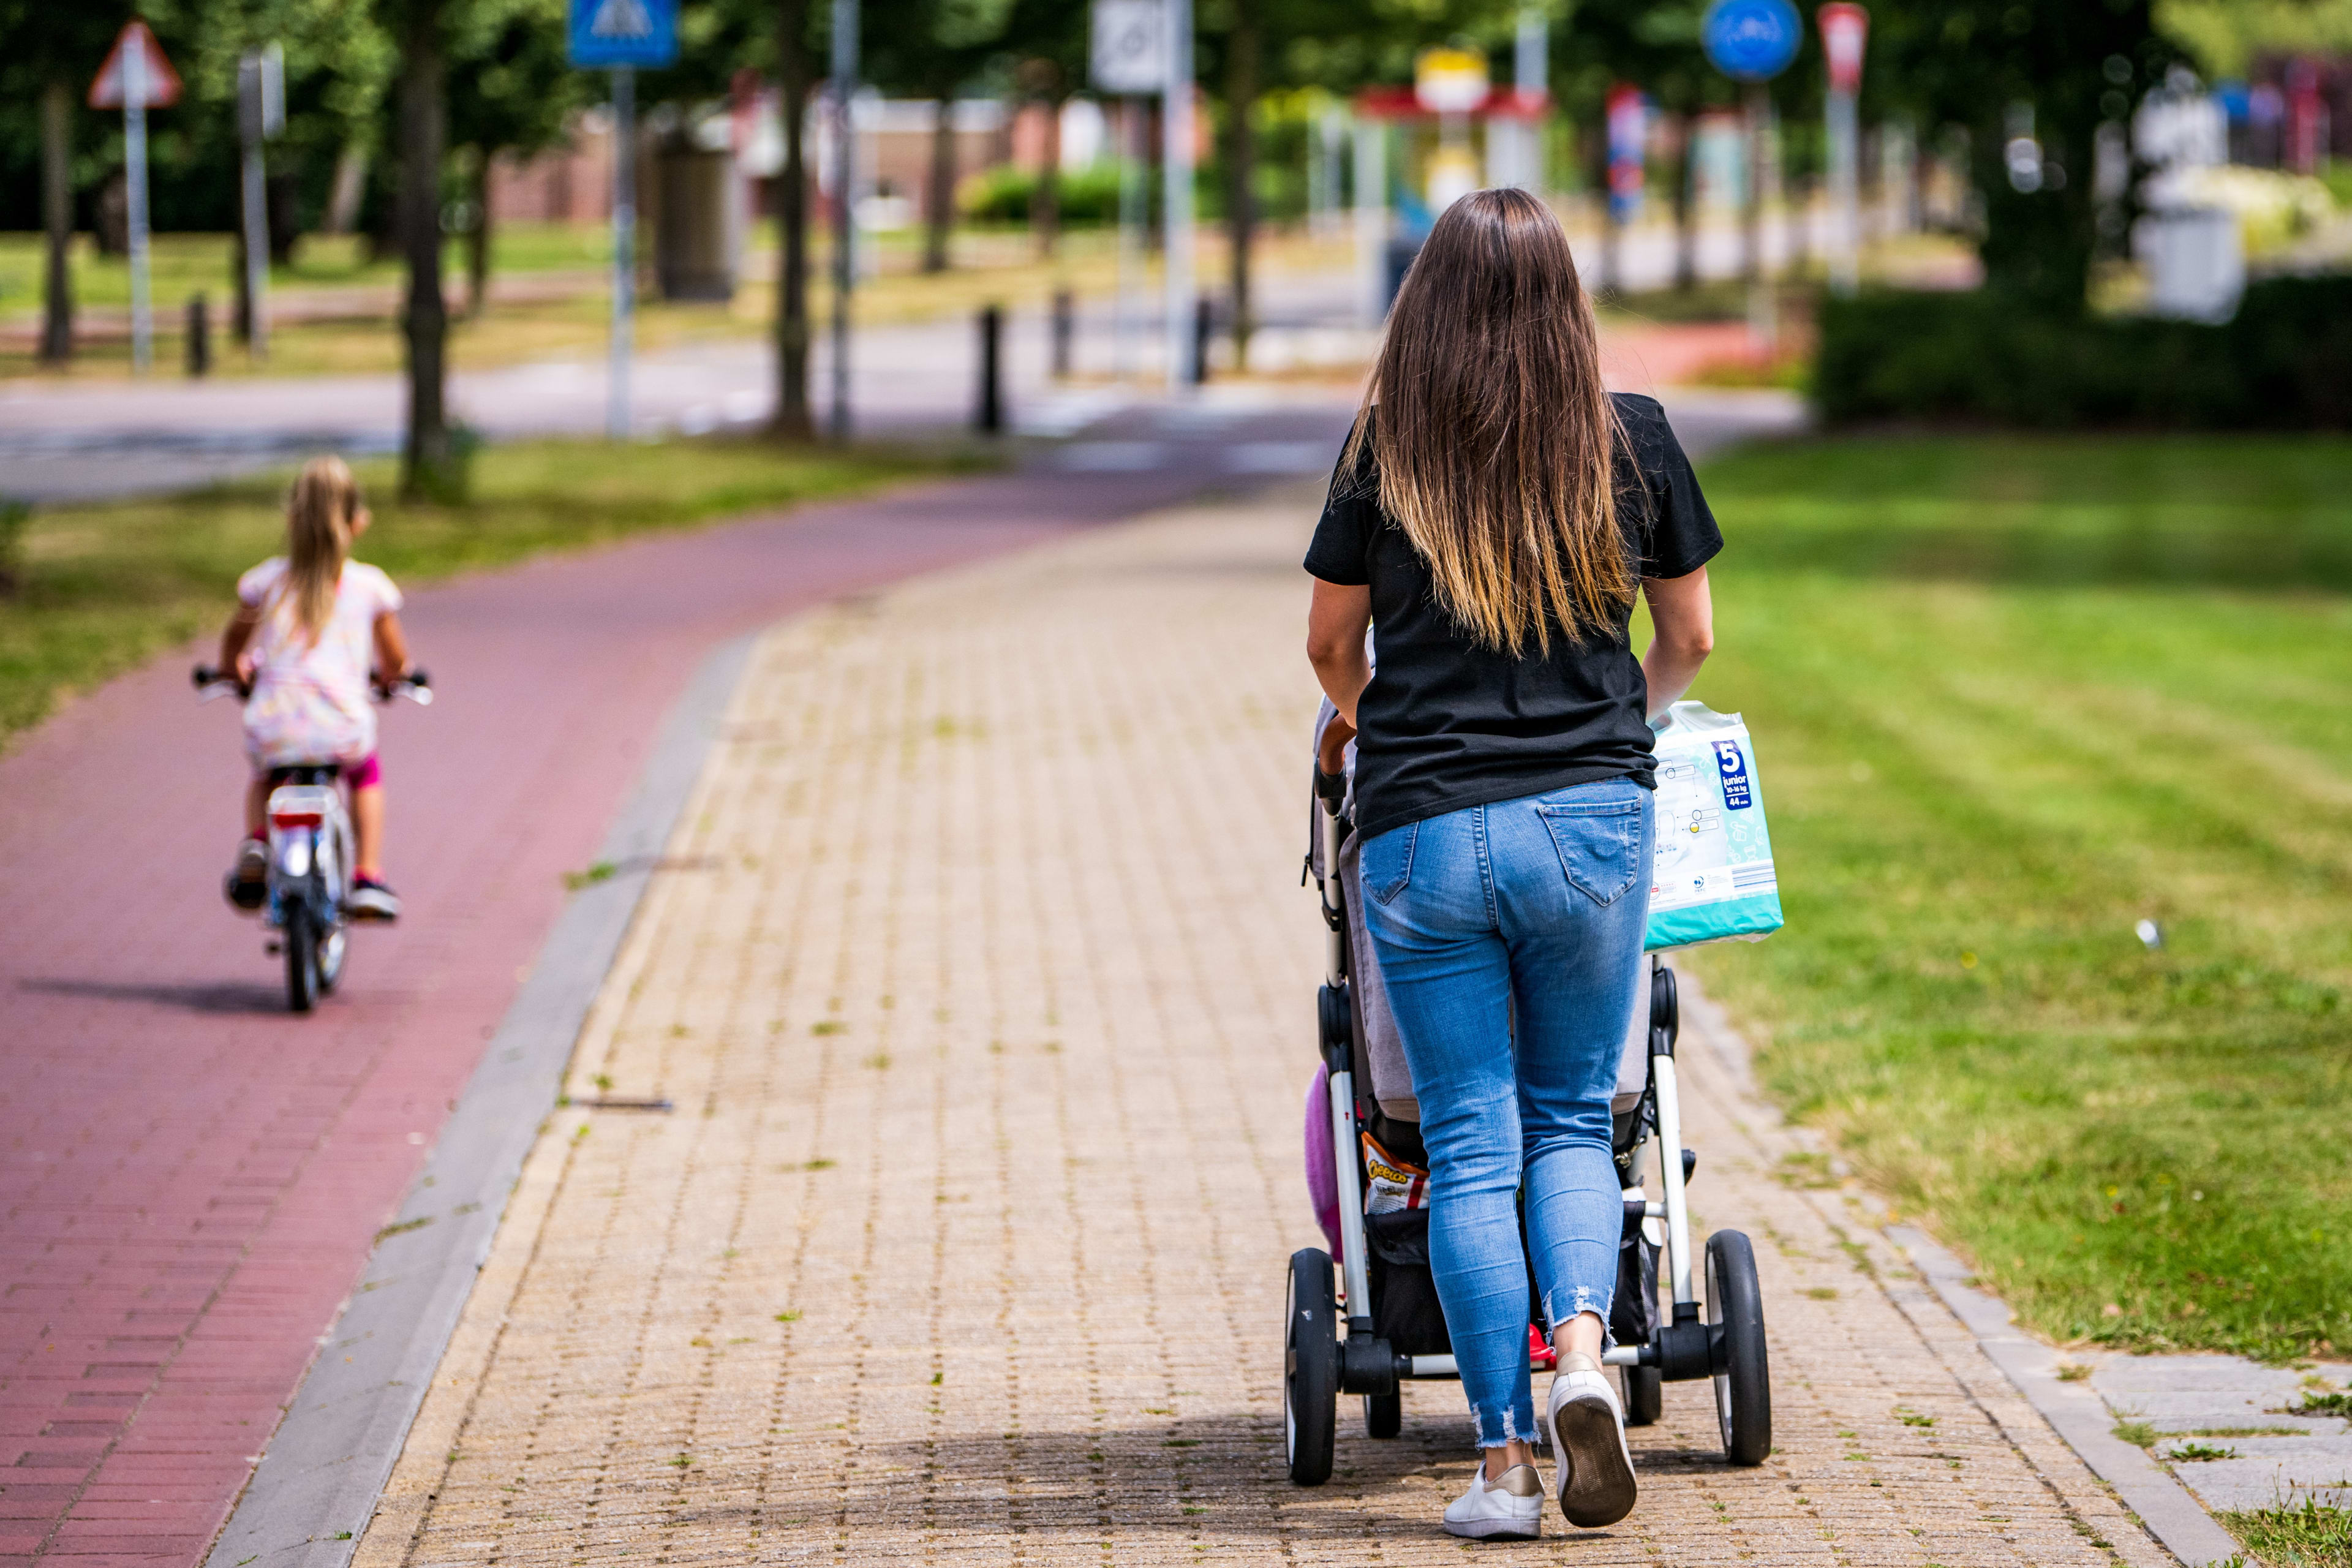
{"x": 200, "y": 337}
{"x": 1066, "y": 327}
{"x": 989, "y": 416}
{"x": 1204, "y": 326}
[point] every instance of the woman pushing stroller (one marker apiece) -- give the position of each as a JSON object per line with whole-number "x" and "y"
{"x": 1494, "y": 515}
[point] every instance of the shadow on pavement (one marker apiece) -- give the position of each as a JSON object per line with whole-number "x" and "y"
{"x": 196, "y": 997}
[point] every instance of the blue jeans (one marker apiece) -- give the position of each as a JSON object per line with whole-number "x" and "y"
{"x": 1509, "y": 936}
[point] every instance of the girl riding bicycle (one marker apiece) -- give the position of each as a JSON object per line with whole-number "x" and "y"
{"x": 309, "y": 626}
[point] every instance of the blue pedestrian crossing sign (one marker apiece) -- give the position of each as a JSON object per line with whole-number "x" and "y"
{"x": 624, "y": 32}
{"x": 1751, "y": 40}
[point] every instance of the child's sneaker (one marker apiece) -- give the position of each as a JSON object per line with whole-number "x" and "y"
{"x": 249, "y": 882}
{"x": 1510, "y": 1508}
{"x": 1588, "y": 1436}
{"x": 371, "y": 899}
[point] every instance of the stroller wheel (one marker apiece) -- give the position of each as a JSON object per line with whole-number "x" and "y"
{"x": 1743, "y": 1385}
{"x": 1310, "y": 1368}
{"x": 1383, "y": 1414}
{"x": 1645, "y": 1396}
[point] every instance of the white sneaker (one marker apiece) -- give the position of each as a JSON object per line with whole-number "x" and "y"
{"x": 1587, "y": 1433}
{"x": 1509, "y": 1509}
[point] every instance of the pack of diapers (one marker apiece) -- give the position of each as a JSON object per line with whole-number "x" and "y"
{"x": 1714, "y": 878}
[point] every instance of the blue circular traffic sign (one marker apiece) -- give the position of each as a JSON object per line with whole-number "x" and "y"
{"x": 1751, "y": 40}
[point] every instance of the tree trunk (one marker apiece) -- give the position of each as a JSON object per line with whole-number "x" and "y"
{"x": 791, "y": 222}
{"x": 477, "y": 242}
{"x": 57, "y": 217}
{"x": 240, "y": 283}
{"x": 349, "y": 188}
{"x": 1046, "y": 196}
{"x": 1241, "y": 168}
{"x": 939, "y": 200}
{"x": 424, "y": 458}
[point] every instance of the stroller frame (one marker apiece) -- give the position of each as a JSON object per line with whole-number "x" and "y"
{"x": 1722, "y": 1340}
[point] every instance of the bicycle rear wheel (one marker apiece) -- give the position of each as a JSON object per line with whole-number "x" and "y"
{"x": 301, "y": 946}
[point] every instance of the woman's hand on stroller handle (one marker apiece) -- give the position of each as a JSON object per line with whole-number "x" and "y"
{"x": 1331, "y": 749}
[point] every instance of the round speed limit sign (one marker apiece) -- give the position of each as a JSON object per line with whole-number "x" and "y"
{"x": 1130, "y": 49}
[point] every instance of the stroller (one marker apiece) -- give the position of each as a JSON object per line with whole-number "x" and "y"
{"x": 1393, "y": 1330}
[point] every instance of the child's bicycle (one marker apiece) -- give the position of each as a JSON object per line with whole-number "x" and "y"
{"x": 310, "y": 866}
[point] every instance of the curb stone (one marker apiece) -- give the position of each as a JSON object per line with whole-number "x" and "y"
{"x": 2170, "y": 1511}
{"x": 322, "y": 1471}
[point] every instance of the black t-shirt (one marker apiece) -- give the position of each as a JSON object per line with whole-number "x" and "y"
{"x": 1447, "y": 724}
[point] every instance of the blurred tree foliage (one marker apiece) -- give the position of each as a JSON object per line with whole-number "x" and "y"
{"x": 514, "y": 93}
{"x": 2005, "y": 70}
{"x": 340, "y": 64}
{"x": 2228, "y": 37}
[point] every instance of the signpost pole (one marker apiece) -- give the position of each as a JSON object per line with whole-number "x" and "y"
{"x": 1530, "y": 74}
{"x": 845, "y": 179}
{"x": 256, "y": 256}
{"x": 1752, "y": 41}
{"x": 1177, "y": 161}
{"x": 1127, "y": 40}
{"x": 1846, "y": 261}
{"x": 134, "y": 161}
{"x": 624, "y": 246}
{"x": 260, "y": 115}
{"x": 1844, "y": 28}
{"x": 1372, "y": 220}
{"x": 1133, "y": 155}
{"x": 620, "y": 35}
{"x": 1763, "y": 308}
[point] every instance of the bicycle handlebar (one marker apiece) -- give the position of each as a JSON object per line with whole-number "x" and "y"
{"x": 210, "y": 682}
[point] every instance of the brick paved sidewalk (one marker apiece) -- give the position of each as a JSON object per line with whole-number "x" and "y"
{"x": 983, "y": 987}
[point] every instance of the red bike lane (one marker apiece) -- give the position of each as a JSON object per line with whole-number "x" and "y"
{"x": 191, "y": 1178}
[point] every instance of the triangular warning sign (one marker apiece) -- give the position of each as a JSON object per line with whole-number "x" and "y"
{"x": 159, "y": 83}
{"x": 621, "y": 19}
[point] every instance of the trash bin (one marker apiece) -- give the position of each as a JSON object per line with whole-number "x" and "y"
{"x": 694, "y": 228}
{"x": 2196, "y": 263}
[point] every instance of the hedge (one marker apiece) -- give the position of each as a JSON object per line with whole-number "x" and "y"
{"x": 2284, "y": 361}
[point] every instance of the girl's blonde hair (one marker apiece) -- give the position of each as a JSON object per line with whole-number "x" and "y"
{"x": 1493, "y": 437}
{"x": 319, "y": 515}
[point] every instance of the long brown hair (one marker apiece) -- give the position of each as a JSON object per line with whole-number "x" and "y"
{"x": 319, "y": 515}
{"x": 1493, "y": 436}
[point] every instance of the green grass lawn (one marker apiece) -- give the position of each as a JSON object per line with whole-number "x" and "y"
{"x": 180, "y": 265}
{"x": 107, "y": 587}
{"x": 2312, "y": 1535}
{"x": 2012, "y": 696}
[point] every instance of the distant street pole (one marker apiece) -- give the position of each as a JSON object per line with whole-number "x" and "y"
{"x": 624, "y": 248}
{"x": 1126, "y": 50}
{"x": 621, "y": 35}
{"x": 1135, "y": 154}
{"x": 134, "y": 169}
{"x": 1846, "y": 28}
{"x": 134, "y": 78}
{"x": 1763, "y": 307}
{"x": 1752, "y": 41}
{"x": 1177, "y": 162}
{"x": 1372, "y": 220}
{"x": 845, "y": 217}
{"x": 260, "y": 115}
{"x": 1530, "y": 74}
